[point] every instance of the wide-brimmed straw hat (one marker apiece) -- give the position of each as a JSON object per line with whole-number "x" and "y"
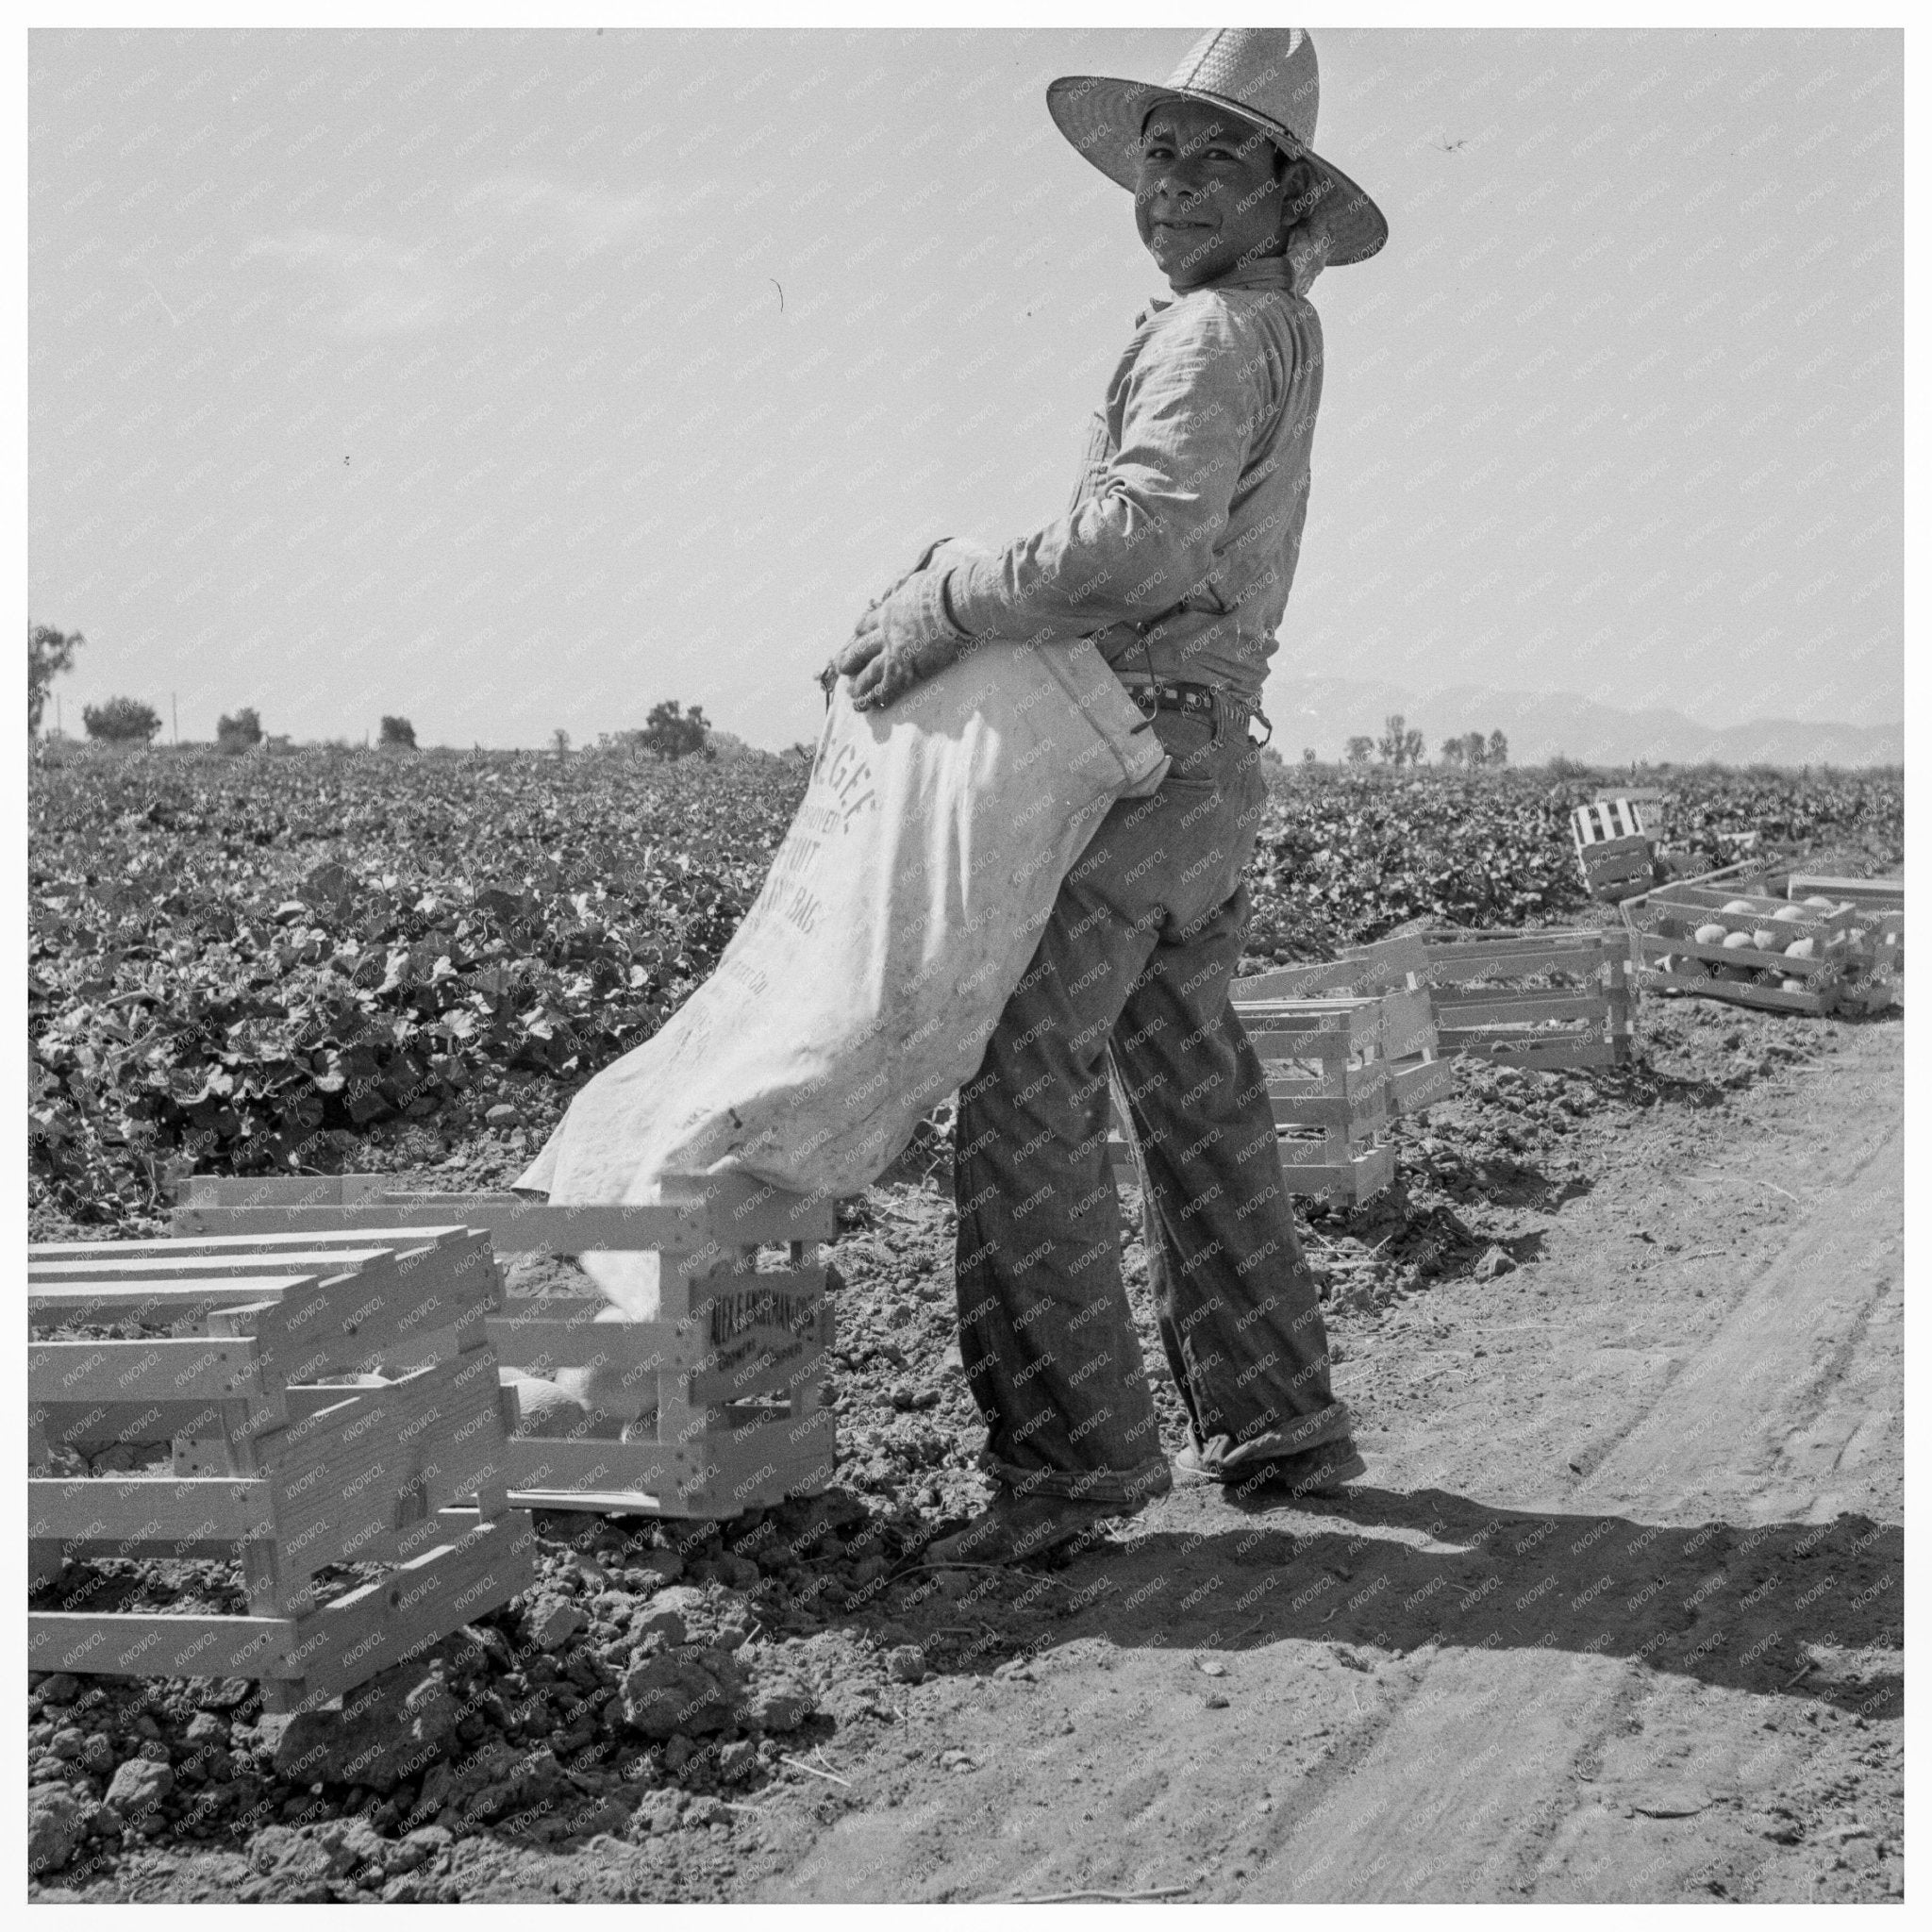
{"x": 1266, "y": 75}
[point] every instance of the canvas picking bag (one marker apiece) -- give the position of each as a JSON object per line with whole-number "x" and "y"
{"x": 897, "y": 917}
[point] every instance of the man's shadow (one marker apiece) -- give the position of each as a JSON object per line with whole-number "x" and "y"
{"x": 1811, "y": 1609}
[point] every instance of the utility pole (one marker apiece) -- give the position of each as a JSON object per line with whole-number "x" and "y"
{"x": 176, "y": 710}
{"x": 59, "y": 730}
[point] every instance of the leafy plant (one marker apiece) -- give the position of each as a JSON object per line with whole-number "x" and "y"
{"x": 121, "y": 721}
{"x": 49, "y": 652}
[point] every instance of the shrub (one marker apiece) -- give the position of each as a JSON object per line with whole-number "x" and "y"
{"x": 398, "y": 734}
{"x": 672, "y": 732}
{"x": 242, "y": 732}
{"x": 121, "y": 721}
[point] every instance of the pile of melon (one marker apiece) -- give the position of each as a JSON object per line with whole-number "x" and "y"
{"x": 1742, "y": 925}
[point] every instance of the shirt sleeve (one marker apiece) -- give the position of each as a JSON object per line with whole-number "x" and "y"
{"x": 1144, "y": 540}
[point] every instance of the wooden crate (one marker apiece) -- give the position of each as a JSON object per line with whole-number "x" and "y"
{"x": 1396, "y": 970}
{"x": 1669, "y": 959}
{"x": 1615, "y": 869}
{"x": 1482, "y": 1006}
{"x": 734, "y": 1360}
{"x": 1615, "y": 847}
{"x": 1880, "y": 907}
{"x": 1330, "y": 1087}
{"x": 1864, "y": 894}
{"x": 320, "y": 1403}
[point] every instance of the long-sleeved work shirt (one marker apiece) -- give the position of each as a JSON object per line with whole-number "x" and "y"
{"x": 1178, "y": 551}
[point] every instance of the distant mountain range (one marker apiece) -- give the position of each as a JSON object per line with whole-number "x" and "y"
{"x": 1324, "y": 712}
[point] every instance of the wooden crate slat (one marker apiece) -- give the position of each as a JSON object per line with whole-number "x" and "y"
{"x": 1529, "y": 1007}
{"x": 1272, "y": 1042}
{"x": 161, "y": 1269}
{"x": 1337, "y": 1080}
{"x": 546, "y": 1471}
{"x": 516, "y": 1227}
{"x": 186, "y": 1369}
{"x": 1486, "y": 961}
{"x": 1322, "y": 1110}
{"x": 1355, "y": 1179}
{"x": 59, "y": 1303}
{"x": 1529, "y": 1050}
{"x": 1740, "y": 992}
{"x": 762, "y": 1463}
{"x": 478, "y": 1570}
{"x": 1629, "y": 848}
{"x": 1313, "y": 979}
{"x": 698, "y": 1208}
{"x": 759, "y": 1334}
{"x": 1861, "y": 893}
{"x": 130, "y": 1511}
{"x": 1396, "y": 958}
{"x": 114, "y": 1645}
{"x": 763, "y": 1373}
{"x": 221, "y": 1247}
{"x": 1419, "y": 1083}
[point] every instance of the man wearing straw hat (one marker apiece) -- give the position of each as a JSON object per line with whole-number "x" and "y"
{"x": 1175, "y": 557}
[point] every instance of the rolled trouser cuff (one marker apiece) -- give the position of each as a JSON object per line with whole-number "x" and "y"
{"x": 1223, "y": 1454}
{"x": 1123, "y": 1489}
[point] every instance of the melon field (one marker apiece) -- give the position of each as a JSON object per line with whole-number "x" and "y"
{"x": 260, "y": 964}
{"x": 1622, "y": 1347}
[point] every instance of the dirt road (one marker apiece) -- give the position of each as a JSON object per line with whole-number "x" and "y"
{"x": 1617, "y": 1615}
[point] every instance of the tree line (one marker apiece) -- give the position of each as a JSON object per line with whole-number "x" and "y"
{"x": 668, "y": 731}
{"x": 1401, "y": 745}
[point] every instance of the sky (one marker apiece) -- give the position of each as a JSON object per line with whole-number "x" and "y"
{"x": 511, "y": 381}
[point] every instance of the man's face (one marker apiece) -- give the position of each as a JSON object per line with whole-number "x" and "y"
{"x": 1208, "y": 193}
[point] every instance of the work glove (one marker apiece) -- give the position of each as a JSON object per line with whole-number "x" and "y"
{"x": 904, "y": 638}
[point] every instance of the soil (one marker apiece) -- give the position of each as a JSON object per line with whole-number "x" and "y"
{"x": 1616, "y": 1613}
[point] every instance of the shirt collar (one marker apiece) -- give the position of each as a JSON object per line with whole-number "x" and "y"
{"x": 1264, "y": 271}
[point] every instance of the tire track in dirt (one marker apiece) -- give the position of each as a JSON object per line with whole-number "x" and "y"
{"x": 1564, "y": 1642}
{"x": 1473, "y": 1791}
{"x": 1713, "y": 1438}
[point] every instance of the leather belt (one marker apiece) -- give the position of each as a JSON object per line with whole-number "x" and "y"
{"x": 1200, "y": 700}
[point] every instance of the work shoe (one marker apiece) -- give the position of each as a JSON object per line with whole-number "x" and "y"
{"x": 1326, "y": 1470}
{"x": 1012, "y": 1528}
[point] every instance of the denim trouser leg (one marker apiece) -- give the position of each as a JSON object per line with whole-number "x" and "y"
{"x": 1240, "y": 1318}
{"x": 1132, "y": 970}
